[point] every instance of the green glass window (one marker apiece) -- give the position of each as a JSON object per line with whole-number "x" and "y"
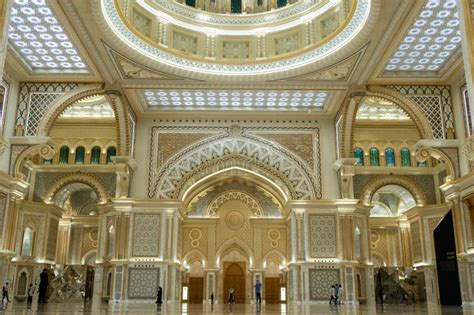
{"x": 95, "y": 155}
{"x": 80, "y": 153}
{"x": 191, "y": 3}
{"x": 374, "y": 157}
{"x": 281, "y": 3}
{"x": 64, "y": 155}
{"x": 405, "y": 155}
{"x": 111, "y": 151}
{"x": 359, "y": 155}
{"x": 236, "y": 6}
{"x": 390, "y": 157}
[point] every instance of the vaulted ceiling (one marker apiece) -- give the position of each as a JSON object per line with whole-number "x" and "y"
{"x": 288, "y": 63}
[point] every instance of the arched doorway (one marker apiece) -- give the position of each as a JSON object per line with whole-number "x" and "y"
{"x": 234, "y": 277}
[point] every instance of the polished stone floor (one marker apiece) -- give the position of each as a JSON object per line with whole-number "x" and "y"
{"x": 136, "y": 308}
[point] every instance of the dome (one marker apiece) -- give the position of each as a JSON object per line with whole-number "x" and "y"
{"x": 191, "y": 41}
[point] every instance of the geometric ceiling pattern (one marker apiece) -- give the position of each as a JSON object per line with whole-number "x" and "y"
{"x": 40, "y": 41}
{"x": 431, "y": 41}
{"x": 376, "y": 109}
{"x": 248, "y": 100}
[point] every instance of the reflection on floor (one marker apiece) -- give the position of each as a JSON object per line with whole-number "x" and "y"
{"x": 136, "y": 308}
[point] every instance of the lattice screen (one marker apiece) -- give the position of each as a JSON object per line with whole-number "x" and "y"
{"x": 426, "y": 96}
{"x": 39, "y": 103}
{"x": 25, "y": 104}
{"x": 431, "y": 106}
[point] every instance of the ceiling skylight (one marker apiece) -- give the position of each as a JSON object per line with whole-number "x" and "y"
{"x": 236, "y": 100}
{"x": 375, "y": 109}
{"x": 95, "y": 107}
{"x": 40, "y": 40}
{"x": 431, "y": 41}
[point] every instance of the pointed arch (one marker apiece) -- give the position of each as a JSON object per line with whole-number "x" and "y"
{"x": 276, "y": 164}
{"x": 230, "y": 244}
{"x": 115, "y": 99}
{"x": 351, "y": 107}
{"x": 378, "y": 182}
{"x": 93, "y": 182}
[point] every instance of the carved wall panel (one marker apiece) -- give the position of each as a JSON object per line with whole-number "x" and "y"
{"x": 323, "y": 236}
{"x": 416, "y": 241}
{"x": 234, "y": 223}
{"x": 196, "y": 239}
{"x": 143, "y": 283}
{"x": 320, "y": 282}
{"x": 274, "y": 238}
{"x": 89, "y": 240}
{"x": 52, "y": 239}
{"x": 146, "y": 235}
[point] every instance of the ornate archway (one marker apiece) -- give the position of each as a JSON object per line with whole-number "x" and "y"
{"x": 117, "y": 102}
{"x": 275, "y": 164}
{"x": 351, "y": 107}
{"x": 372, "y": 186}
{"x": 91, "y": 181}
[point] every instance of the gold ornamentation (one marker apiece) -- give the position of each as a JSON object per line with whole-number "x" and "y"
{"x": 195, "y": 235}
{"x": 274, "y": 236}
{"x": 234, "y": 220}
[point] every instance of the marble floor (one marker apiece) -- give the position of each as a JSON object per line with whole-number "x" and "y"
{"x": 136, "y": 308}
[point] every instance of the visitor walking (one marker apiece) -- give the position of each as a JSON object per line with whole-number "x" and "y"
{"x": 231, "y": 297}
{"x": 5, "y": 290}
{"x": 159, "y": 296}
{"x": 31, "y": 292}
{"x": 339, "y": 295}
{"x": 212, "y": 297}
{"x": 43, "y": 286}
{"x": 258, "y": 292}
{"x": 332, "y": 292}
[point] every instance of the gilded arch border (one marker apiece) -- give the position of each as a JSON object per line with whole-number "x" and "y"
{"x": 352, "y": 105}
{"x": 44, "y": 150}
{"x": 216, "y": 155}
{"x": 220, "y": 199}
{"x": 373, "y": 185}
{"x": 75, "y": 178}
{"x": 118, "y": 104}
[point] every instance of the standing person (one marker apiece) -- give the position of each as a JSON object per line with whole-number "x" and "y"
{"x": 5, "y": 290}
{"x": 332, "y": 292}
{"x": 231, "y": 297}
{"x": 159, "y": 296}
{"x": 336, "y": 293}
{"x": 212, "y": 297}
{"x": 31, "y": 292}
{"x": 43, "y": 286}
{"x": 339, "y": 295}
{"x": 258, "y": 292}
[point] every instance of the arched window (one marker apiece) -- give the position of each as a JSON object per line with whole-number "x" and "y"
{"x": 374, "y": 157}
{"x": 64, "y": 155}
{"x": 359, "y": 155}
{"x": 390, "y": 157}
{"x": 191, "y": 3}
{"x": 357, "y": 243}
{"x": 111, "y": 151}
{"x": 405, "y": 155}
{"x": 281, "y": 3}
{"x": 95, "y": 155}
{"x": 28, "y": 242}
{"x": 110, "y": 241}
{"x": 22, "y": 284}
{"x": 80, "y": 153}
{"x": 236, "y": 6}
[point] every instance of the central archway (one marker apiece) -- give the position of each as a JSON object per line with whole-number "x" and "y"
{"x": 234, "y": 278}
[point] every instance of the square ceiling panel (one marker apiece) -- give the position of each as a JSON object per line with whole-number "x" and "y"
{"x": 40, "y": 41}
{"x": 235, "y": 100}
{"x": 431, "y": 41}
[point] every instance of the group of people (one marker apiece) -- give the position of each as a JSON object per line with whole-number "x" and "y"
{"x": 43, "y": 286}
{"x": 336, "y": 294}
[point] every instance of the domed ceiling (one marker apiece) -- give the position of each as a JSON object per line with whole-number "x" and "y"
{"x": 182, "y": 40}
